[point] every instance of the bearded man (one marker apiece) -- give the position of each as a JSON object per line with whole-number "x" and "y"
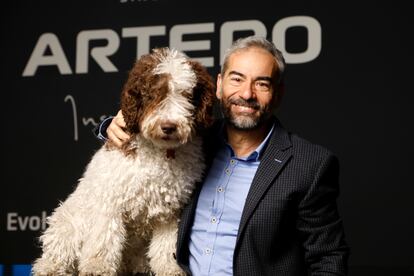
{"x": 267, "y": 205}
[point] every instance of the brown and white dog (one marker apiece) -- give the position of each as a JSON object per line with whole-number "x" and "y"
{"x": 122, "y": 217}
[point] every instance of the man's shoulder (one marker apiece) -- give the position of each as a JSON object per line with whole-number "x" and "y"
{"x": 302, "y": 144}
{"x": 303, "y": 148}
{"x": 310, "y": 156}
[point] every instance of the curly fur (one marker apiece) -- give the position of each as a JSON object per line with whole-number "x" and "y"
{"x": 122, "y": 217}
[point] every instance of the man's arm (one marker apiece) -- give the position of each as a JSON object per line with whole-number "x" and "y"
{"x": 320, "y": 225}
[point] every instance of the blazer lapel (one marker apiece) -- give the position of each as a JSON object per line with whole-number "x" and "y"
{"x": 187, "y": 218}
{"x": 277, "y": 154}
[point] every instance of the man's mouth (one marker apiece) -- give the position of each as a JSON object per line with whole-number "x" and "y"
{"x": 243, "y": 108}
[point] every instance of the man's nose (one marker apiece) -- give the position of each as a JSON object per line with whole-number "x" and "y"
{"x": 247, "y": 91}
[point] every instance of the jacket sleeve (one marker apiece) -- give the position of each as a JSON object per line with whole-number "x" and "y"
{"x": 100, "y": 130}
{"x": 320, "y": 225}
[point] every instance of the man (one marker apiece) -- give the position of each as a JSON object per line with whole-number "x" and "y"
{"x": 268, "y": 203}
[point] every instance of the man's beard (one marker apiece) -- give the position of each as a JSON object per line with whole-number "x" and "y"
{"x": 245, "y": 121}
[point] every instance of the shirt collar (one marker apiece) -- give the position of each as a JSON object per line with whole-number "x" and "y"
{"x": 256, "y": 154}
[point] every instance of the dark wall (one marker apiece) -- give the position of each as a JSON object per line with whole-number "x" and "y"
{"x": 347, "y": 87}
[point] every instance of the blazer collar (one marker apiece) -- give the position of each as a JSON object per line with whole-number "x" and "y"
{"x": 276, "y": 156}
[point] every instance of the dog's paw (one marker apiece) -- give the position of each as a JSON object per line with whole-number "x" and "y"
{"x": 44, "y": 267}
{"x": 94, "y": 272}
{"x": 179, "y": 272}
{"x": 173, "y": 273}
{"x": 96, "y": 267}
{"x": 174, "y": 270}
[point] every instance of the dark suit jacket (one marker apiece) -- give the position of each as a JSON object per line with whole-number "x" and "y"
{"x": 290, "y": 224}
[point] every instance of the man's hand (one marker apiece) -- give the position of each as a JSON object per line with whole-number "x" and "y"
{"x": 115, "y": 131}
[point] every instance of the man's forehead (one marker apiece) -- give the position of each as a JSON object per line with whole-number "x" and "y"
{"x": 246, "y": 59}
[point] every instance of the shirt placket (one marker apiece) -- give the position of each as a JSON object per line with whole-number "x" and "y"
{"x": 217, "y": 209}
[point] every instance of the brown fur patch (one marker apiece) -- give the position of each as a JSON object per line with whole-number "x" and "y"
{"x": 203, "y": 96}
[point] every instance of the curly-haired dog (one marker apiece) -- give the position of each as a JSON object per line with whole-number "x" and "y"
{"x": 122, "y": 217}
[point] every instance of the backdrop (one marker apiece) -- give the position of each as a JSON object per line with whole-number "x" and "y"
{"x": 63, "y": 64}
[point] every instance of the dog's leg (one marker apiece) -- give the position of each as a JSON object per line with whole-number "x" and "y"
{"x": 162, "y": 249}
{"x": 102, "y": 250}
{"x": 60, "y": 244}
{"x": 134, "y": 257}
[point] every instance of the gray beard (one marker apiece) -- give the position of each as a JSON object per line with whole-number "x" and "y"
{"x": 245, "y": 122}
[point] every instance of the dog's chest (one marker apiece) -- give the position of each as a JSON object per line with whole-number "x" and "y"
{"x": 149, "y": 183}
{"x": 162, "y": 166}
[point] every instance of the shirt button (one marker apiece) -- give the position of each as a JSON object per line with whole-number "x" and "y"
{"x": 207, "y": 251}
{"x": 220, "y": 189}
{"x": 213, "y": 220}
{"x": 232, "y": 161}
{"x": 227, "y": 171}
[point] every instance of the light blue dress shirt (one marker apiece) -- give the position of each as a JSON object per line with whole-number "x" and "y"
{"x": 219, "y": 209}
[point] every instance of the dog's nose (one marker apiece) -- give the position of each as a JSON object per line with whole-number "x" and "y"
{"x": 168, "y": 128}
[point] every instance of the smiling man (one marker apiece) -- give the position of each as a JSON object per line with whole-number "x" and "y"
{"x": 267, "y": 205}
{"x": 249, "y": 97}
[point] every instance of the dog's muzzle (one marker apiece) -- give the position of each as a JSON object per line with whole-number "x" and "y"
{"x": 168, "y": 128}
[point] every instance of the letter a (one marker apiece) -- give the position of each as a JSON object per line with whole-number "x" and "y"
{"x": 38, "y": 57}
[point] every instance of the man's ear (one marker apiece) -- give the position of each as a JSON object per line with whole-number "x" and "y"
{"x": 218, "y": 87}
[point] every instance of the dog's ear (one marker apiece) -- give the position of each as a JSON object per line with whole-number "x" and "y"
{"x": 131, "y": 100}
{"x": 203, "y": 96}
{"x": 134, "y": 88}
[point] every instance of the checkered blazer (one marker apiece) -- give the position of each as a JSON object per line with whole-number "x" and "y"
{"x": 290, "y": 224}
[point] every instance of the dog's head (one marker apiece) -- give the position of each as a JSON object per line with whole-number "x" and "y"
{"x": 167, "y": 98}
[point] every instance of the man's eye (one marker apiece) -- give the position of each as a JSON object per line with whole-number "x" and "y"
{"x": 263, "y": 86}
{"x": 236, "y": 81}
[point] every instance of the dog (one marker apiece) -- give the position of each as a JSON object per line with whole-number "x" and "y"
{"x": 122, "y": 218}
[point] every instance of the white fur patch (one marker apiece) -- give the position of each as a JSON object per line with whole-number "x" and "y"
{"x": 175, "y": 64}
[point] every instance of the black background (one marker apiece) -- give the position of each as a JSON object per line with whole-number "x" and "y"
{"x": 355, "y": 98}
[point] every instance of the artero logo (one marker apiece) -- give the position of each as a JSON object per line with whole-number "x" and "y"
{"x": 48, "y": 51}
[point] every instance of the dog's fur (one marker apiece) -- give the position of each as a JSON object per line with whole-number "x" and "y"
{"x": 122, "y": 217}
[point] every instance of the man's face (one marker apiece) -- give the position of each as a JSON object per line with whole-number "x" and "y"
{"x": 246, "y": 90}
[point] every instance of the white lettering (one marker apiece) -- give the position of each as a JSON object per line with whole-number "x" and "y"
{"x": 143, "y": 35}
{"x": 11, "y": 221}
{"x": 85, "y": 121}
{"x": 314, "y": 38}
{"x": 34, "y": 223}
{"x": 177, "y": 33}
{"x": 23, "y": 223}
{"x": 75, "y": 116}
{"x": 38, "y": 57}
{"x": 176, "y": 40}
{"x": 99, "y": 53}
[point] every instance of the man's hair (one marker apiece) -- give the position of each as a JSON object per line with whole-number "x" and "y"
{"x": 256, "y": 42}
